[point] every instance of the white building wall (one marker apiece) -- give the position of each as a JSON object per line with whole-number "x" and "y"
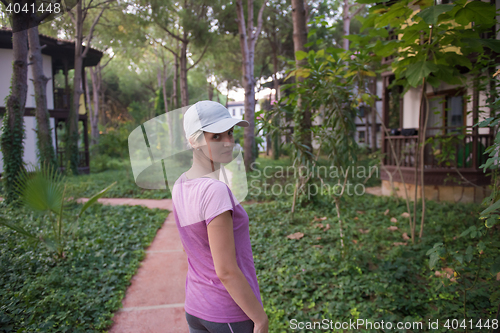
{"x": 30, "y": 150}
{"x": 411, "y": 106}
{"x": 6, "y": 57}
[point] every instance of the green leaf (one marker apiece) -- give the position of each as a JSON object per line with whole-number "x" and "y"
{"x": 466, "y": 232}
{"x": 492, "y": 221}
{"x": 491, "y": 208}
{"x": 300, "y": 55}
{"x": 424, "y": 3}
{"x": 495, "y": 268}
{"x": 459, "y": 258}
{"x": 433, "y": 260}
{"x": 478, "y": 12}
{"x": 334, "y": 50}
{"x": 51, "y": 244}
{"x": 416, "y": 72}
{"x": 18, "y": 229}
{"x": 430, "y": 15}
{"x": 481, "y": 246}
{"x": 385, "y": 48}
{"x": 468, "y": 253}
{"x": 485, "y": 122}
{"x": 40, "y": 189}
{"x": 94, "y": 199}
{"x": 493, "y": 44}
{"x": 452, "y": 58}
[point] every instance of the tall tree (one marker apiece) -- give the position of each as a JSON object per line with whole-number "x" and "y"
{"x": 302, "y": 120}
{"x": 188, "y": 22}
{"x": 11, "y": 140}
{"x": 12, "y": 127}
{"x": 94, "y": 105}
{"x": 346, "y": 20}
{"x": 248, "y": 39}
{"x": 46, "y": 154}
{"x": 82, "y": 13}
{"x": 278, "y": 30}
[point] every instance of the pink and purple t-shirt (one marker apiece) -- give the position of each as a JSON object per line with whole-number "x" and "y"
{"x": 196, "y": 203}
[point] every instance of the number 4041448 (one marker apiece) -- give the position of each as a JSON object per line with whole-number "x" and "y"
{"x": 17, "y": 8}
{"x": 454, "y": 324}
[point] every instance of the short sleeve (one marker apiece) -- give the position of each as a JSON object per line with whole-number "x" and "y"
{"x": 216, "y": 200}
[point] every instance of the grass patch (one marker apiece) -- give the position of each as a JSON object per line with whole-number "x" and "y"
{"x": 82, "y": 292}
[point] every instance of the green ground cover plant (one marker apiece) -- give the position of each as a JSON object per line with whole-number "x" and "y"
{"x": 383, "y": 276}
{"x": 83, "y": 186}
{"x": 267, "y": 172}
{"x": 79, "y": 294}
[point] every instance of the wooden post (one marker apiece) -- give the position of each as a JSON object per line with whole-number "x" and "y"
{"x": 384, "y": 112}
{"x": 86, "y": 142}
{"x": 475, "y": 111}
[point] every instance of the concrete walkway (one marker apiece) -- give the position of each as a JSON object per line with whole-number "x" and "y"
{"x": 154, "y": 302}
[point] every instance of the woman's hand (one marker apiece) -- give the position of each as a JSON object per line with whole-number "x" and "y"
{"x": 262, "y": 326}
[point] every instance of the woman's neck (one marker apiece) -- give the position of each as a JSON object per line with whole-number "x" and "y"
{"x": 203, "y": 167}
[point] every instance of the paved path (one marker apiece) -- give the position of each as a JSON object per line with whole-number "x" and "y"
{"x": 154, "y": 302}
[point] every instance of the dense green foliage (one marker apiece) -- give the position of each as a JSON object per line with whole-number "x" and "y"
{"x": 270, "y": 176}
{"x": 383, "y": 276}
{"x": 84, "y": 186}
{"x": 81, "y": 293}
{"x": 11, "y": 142}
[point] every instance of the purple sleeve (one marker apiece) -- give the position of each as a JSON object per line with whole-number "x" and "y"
{"x": 216, "y": 200}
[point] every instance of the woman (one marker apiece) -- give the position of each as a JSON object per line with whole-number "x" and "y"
{"x": 222, "y": 292}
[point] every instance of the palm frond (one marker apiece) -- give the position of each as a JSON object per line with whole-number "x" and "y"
{"x": 95, "y": 198}
{"x": 40, "y": 188}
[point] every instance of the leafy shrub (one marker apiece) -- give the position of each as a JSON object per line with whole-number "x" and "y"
{"x": 382, "y": 276}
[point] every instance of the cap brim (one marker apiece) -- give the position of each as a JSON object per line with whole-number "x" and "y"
{"x": 224, "y": 125}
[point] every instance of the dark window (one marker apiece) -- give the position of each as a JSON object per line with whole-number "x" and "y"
{"x": 361, "y": 136}
{"x": 445, "y": 112}
{"x": 361, "y": 111}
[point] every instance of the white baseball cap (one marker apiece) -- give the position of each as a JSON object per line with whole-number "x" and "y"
{"x": 211, "y": 117}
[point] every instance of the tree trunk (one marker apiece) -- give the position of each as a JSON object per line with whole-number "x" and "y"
{"x": 248, "y": 39}
{"x": 346, "y": 24}
{"x": 102, "y": 98}
{"x": 72, "y": 126}
{"x": 89, "y": 104}
{"x": 164, "y": 91}
{"x": 46, "y": 154}
{"x": 276, "y": 136}
{"x": 184, "y": 83}
{"x": 367, "y": 129}
{"x": 96, "y": 89}
{"x": 170, "y": 119}
{"x": 175, "y": 98}
{"x": 13, "y": 127}
{"x": 299, "y": 40}
{"x": 217, "y": 91}
{"x": 210, "y": 91}
{"x": 374, "y": 117}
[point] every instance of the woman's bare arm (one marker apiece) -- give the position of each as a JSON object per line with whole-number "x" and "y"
{"x": 221, "y": 239}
